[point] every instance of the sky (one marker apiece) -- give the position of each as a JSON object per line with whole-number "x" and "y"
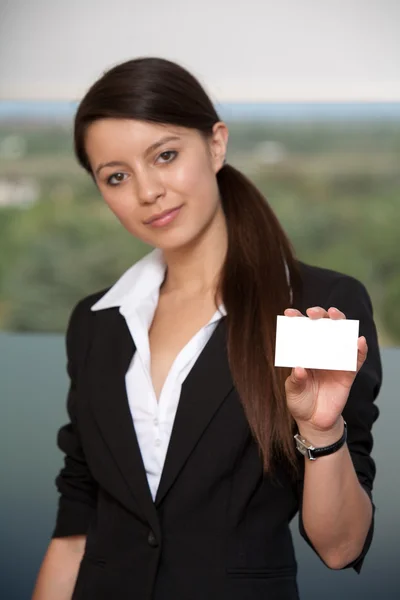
{"x": 241, "y": 50}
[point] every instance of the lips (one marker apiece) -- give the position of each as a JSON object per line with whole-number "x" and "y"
{"x": 162, "y": 215}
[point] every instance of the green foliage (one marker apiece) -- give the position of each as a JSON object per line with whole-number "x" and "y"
{"x": 335, "y": 188}
{"x": 69, "y": 255}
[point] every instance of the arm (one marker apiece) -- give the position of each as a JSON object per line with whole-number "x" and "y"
{"x": 59, "y": 570}
{"x": 78, "y": 490}
{"x": 336, "y": 511}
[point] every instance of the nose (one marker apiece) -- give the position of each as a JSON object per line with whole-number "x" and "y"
{"x": 149, "y": 187}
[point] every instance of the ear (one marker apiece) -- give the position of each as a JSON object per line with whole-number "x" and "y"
{"x": 219, "y": 145}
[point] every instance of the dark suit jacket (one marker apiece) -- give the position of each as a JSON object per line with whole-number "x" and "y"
{"x": 219, "y": 528}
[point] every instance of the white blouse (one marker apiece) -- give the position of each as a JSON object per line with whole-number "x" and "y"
{"x": 136, "y": 294}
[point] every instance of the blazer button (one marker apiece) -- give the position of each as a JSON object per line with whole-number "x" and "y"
{"x": 152, "y": 540}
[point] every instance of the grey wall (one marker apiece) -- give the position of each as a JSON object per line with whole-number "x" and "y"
{"x": 33, "y": 386}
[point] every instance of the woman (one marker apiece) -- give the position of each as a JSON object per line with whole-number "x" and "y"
{"x": 181, "y": 472}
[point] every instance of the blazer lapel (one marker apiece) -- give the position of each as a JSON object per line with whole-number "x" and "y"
{"x": 205, "y": 388}
{"x": 112, "y": 353}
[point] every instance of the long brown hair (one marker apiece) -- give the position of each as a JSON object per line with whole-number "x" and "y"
{"x": 260, "y": 272}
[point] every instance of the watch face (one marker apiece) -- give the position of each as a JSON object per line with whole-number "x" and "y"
{"x": 305, "y": 448}
{"x": 301, "y": 447}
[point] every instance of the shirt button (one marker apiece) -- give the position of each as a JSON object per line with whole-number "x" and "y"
{"x": 155, "y": 422}
{"x": 152, "y": 540}
{"x": 158, "y": 443}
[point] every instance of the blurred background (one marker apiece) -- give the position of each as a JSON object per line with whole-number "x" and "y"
{"x": 311, "y": 94}
{"x": 330, "y": 171}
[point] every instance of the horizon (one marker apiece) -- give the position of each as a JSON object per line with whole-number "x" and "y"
{"x": 51, "y": 110}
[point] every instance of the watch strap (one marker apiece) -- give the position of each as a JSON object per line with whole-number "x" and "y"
{"x": 307, "y": 449}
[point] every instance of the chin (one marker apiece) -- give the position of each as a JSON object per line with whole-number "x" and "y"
{"x": 176, "y": 241}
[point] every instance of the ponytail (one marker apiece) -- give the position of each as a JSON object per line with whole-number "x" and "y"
{"x": 256, "y": 284}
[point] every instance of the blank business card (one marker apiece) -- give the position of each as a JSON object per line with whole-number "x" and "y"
{"x": 316, "y": 343}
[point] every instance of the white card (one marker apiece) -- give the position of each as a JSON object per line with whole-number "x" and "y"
{"x": 316, "y": 343}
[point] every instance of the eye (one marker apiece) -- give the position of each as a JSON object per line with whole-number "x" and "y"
{"x": 167, "y": 156}
{"x": 116, "y": 178}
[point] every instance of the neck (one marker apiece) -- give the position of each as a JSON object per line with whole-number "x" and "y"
{"x": 195, "y": 268}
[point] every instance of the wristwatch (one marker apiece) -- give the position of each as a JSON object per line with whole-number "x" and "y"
{"x": 312, "y": 453}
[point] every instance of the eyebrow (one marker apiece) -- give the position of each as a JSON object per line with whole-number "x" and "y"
{"x": 149, "y": 150}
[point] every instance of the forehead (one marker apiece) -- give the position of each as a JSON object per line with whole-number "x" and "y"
{"x": 118, "y": 135}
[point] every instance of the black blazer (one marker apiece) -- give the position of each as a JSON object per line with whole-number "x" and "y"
{"x": 219, "y": 528}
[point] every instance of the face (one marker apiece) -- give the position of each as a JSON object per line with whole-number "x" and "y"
{"x": 159, "y": 180}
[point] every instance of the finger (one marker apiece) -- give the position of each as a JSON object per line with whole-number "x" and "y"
{"x": 335, "y": 313}
{"x": 297, "y": 381}
{"x": 299, "y": 374}
{"x": 292, "y": 312}
{"x": 362, "y": 351}
{"x": 316, "y": 312}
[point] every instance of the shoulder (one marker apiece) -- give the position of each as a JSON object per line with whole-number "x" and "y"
{"x": 80, "y": 322}
{"x": 82, "y": 308}
{"x": 79, "y": 331}
{"x": 324, "y": 287}
{"x": 325, "y": 278}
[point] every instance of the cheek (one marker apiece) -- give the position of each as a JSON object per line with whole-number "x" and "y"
{"x": 194, "y": 179}
{"x": 122, "y": 205}
{"x": 119, "y": 199}
{"x": 129, "y": 214}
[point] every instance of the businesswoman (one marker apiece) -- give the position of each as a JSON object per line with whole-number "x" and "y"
{"x": 188, "y": 453}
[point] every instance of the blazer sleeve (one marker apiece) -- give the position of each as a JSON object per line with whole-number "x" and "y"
{"x": 360, "y": 412}
{"x": 75, "y": 484}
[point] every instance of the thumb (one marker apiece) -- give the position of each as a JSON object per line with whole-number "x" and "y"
{"x": 297, "y": 381}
